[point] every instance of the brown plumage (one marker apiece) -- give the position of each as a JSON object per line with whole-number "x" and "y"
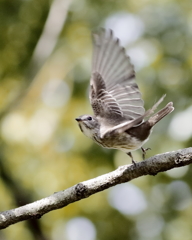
{"x": 119, "y": 113}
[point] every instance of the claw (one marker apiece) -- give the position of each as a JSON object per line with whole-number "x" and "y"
{"x": 144, "y": 150}
{"x": 130, "y": 155}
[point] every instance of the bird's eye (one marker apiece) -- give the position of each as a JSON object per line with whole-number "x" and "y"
{"x": 89, "y": 118}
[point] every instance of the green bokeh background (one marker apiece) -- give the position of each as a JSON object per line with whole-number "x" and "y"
{"x": 45, "y": 66}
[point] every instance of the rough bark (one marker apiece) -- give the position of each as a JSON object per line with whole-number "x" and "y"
{"x": 151, "y": 166}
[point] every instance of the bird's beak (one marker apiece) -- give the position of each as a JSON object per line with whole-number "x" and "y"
{"x": 78, "y": 119}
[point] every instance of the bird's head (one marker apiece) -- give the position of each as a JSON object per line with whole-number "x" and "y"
{"x": 89, "y": 125}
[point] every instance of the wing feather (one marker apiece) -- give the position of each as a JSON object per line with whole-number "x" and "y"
{"x": 114, "y": 92}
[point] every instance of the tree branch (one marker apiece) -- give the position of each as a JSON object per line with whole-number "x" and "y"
{"x": 151, "y": 166}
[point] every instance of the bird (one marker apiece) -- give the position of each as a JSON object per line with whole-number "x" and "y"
{"x": 119, "y": 114}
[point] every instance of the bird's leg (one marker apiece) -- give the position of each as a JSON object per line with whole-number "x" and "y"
{"x": 130, "y": 155}
{"x": 144, "y": 150}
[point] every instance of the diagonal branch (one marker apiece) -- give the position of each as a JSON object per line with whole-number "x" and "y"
{"x": 52, "y": 29}
{"x": 151, "y": 166}
{"x": 53, "y": 26}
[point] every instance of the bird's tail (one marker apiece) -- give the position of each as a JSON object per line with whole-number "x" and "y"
{"x": 161, "y": 114}
{"x": 151, "y": 121}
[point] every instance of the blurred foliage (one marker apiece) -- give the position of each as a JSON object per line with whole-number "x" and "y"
{"x": 42, "y": 91}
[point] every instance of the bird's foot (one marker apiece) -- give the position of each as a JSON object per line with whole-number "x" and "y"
{"x": 131, "y": 156}
{"x": 144, "y": 150}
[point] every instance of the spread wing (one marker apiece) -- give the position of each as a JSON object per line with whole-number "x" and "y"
{"x": 114, "y": 94}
